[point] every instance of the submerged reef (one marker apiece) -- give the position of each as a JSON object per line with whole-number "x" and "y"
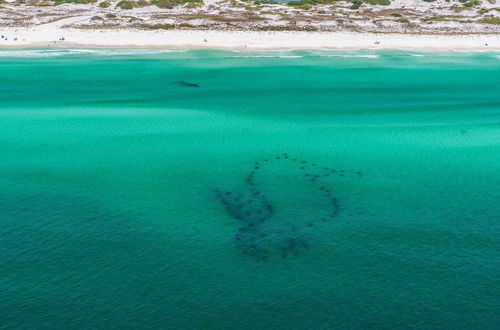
{"x": 280, "y": 202}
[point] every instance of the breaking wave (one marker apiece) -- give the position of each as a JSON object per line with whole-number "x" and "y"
{"x": 40, "y": 53}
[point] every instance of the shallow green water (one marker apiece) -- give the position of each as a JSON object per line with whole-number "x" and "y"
{"x": 272, "y": 190}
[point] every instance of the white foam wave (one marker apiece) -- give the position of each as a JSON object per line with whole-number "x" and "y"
{"x": 268, "y": 56}
{"x": 38, "y": 53}
{"x": 349, "y": 55}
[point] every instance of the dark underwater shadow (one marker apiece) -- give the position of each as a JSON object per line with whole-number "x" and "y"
{"x": 280, "y": 205}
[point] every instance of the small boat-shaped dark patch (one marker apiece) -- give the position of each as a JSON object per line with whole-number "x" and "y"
{"x": 187, "y": 84}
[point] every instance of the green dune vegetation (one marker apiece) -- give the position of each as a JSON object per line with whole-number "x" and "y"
{"x": 355, "y": 3}
{"x": 491, "y": 20}
{"x": 128, "y": 4}
{"x": 173, "y": 3}
{"x": 457, "y": 5}
{"x": 59, "y": 2}
{"x": 418, "y": 16}
{"x": 131, "y": 4}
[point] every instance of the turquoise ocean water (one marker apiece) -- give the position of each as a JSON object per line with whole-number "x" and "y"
{"x": 205, "y": 189}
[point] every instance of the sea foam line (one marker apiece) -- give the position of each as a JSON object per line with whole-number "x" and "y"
{"x": 35, "y": 53}
{"x": 268, "y": 56}
{"x": 349, "y": 56}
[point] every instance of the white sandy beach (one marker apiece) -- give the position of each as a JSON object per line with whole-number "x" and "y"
{"x": 429, "y": 26}
{"x": 50, "y": 35}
